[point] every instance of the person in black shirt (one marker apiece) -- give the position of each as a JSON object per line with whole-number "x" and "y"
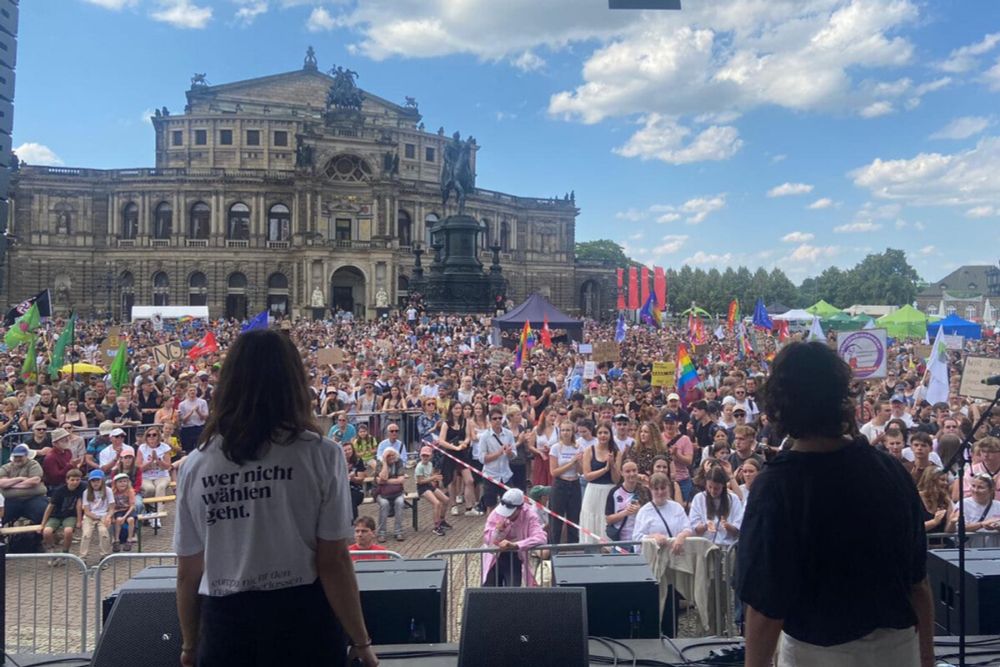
{"x": 539, "y": 397}
{"x": 63, "y": 514}
{"x": 148, "y": 401}
{"x": 807, "y": 569}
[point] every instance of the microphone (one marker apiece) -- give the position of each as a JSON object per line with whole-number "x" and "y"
{"x": 992, "y": 381}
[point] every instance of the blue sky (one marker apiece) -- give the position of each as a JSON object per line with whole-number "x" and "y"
{"x": 790, "y": 133}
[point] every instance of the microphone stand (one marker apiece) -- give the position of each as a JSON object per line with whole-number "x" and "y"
{"x": 959, "y": 457}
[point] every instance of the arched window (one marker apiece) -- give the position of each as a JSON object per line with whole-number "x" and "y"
{"x": 429, "y": 222}
{"x": 163, "y": 221}
{"x": 130, "y": 221}
{"x": 505, "y": 236}
{"x": 201, "y": 221}
{"x": 404, "y": 226}
{"x": 238, "y": 223}
{"x": 970, "y": 313}
{"x": 279, "y": 223}
{"x": 237, "y": 281}
{"x": 197, "y": 289}
{"x": 161, "y": 289}
{"x": 127, "y": 282}
{"x": 348, "y": 168}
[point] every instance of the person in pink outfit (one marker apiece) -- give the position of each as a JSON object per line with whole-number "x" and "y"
{"x": 512, "y": 530}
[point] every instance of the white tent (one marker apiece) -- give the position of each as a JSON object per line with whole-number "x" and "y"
{"x": 169, "y": 312}
{"x": 795, "y": 316}
{"x": 989, "y": 313}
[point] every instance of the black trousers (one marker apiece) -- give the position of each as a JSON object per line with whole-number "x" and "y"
{"x": 506, "y": 571}
{"x": 566, "y": 500}
{"x": 288, "y": 626}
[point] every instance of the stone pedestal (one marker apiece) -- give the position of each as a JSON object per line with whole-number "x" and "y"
{"x": 381, "y": 312}
{"x": 318, "y": 313}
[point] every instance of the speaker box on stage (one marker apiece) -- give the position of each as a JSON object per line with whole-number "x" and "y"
{"x": 982, "y": 590}
{"x": 623, "y": 597}
{"x": 541, "y": 627}
{"x": 403, "y": 601}
{"x": 152, "y": 572}
{"x": 142, "y": 625}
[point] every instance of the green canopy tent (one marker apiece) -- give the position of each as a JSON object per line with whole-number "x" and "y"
{"x": 840, "y": 322}
{"x": 823, "y": 309}
{"x": 861, "y": 321}
{"x": 907, "y": 322}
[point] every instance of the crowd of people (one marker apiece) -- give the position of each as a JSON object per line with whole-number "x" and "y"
{"x": 430, "y": 404}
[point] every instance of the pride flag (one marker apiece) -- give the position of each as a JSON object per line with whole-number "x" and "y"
{"x": 651, "y": 313}
{"x": 522, "y": 347}
{"x": 733, "y": 316}
{"x": 687, "y": 374}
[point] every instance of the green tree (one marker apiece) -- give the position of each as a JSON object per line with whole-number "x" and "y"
{"x": 780, "y": 288}
{"x": 884, "y": 279}
{"x": 606, "y": 251}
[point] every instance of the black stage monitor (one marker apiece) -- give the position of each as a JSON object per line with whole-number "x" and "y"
{"x": 540, "y": 627}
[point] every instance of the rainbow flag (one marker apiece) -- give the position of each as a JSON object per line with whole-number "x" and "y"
{"x": 522, "y": 347}
{"x": 733, "y": 316}
{"x": 687, "y": 374}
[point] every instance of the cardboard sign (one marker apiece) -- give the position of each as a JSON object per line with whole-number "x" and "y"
{"x": 663, "y": 374}
{"x": 384, "y": 346}
{"x": 922, "y": 351}
{"x": 109, "y": 348}
{"x": 864, "y": 351}
{"x": 702, "y": 350}
{"x": 605, "y": 351}
{"x": 976, "y": 370}
{"x": 164, "y": 354}
{"x": 330, "y": 356}
{"x": 589, "y": 369}
{"x": 586, "y": 348}
{"x": 953, "y": 342}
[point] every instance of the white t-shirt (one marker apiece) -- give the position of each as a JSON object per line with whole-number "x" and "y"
{"x": 107, "y": 455}
{"x": 974, "y": 512}
{"x": 907, "y": 455}
{"x": 149, "y": 455}
{"x": 101, "y": 504}
{"x": 871, "y": 430}
{"x": 648, "y": 522}
{"x": 258, "y": 523}
{"x": 581, "y": 442}
{"x": 563, "y": 454}
{"x": 699, "y": 514}
{"x": 192, "y": 407}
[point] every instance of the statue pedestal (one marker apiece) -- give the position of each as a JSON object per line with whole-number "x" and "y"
{"x": 318, "y": 313}
{"x": 381, "y": 312}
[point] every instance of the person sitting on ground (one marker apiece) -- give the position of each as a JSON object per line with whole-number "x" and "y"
{"x": 429, "y": 488}
{"x": 364, "y": 540}
{"x": 62, "y": 515}
{"x": 512, "y": 529}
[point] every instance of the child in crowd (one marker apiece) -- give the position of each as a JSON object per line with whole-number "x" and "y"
{"x": 95, "y": 507}
{"x": 429, "y": 488}
{"x": 63, "y": 512}
{"x": 124, "y": 512}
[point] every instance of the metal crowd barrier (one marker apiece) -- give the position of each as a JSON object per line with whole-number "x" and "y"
{"x": 46, "y": 603}
{"x": 132, "y": 436}
{"x": 378, "y": 422}
{"x": 114, "y": 570}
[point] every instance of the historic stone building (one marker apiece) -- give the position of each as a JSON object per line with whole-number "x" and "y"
{"x": 271, "y": 192}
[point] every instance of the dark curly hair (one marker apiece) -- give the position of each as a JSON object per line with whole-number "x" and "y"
{"x": 808, "y": 393}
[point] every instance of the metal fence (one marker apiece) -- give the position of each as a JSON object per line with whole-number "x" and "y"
{"x": 11, "y": 439}
{"x": 47, "y": 603}
{"x": 378, "y": 422}
{"x": 113, "y": 571}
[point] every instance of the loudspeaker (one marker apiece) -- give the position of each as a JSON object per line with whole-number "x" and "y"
{"x": 540, "y": 627}
{"x": 142, "y": 626}
{"x": 623, "y": 597}
{"x": 403, "y": 601}
{"x": 982, "y": 590}
{"x": 152, "y": 572}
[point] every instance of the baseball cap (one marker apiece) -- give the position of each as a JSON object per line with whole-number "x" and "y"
{"x": 119, "y": 476}
{"x": 729, "y": 400}
{"x": 897, "y": 399}
{"x": 426, "y": 450}
{"x": 510, "y": 501}
{"x": 117, "y": 431}
{"x": 621, "y": 417}
{"x": 21, "y": 450}
{"x": 97, "y": 474}
{"x": 128, "y": 450}
{"x": 538, "y": 492}
{"x": 106, "y": 427}
{"x": 673, "y": 397}
{"x": 739, "y": 411}
{"x": 670, "y": 418}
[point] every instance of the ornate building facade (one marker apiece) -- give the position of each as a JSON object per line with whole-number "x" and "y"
{"x": 265, "y": 192}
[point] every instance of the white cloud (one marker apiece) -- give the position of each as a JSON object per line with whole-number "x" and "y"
{"x": 668, "y": 217}
{"x": 964, "y": 59}
{"x": 787, "y": 189}
{"x": 962, "y": 127}
{"x": 113, "y": 4}
{"x": 528, "y": 62}
{"x": 703, "y": 258}
{"x": 780, "y": 157}
{"x": 250, "y": 10}
{"x": 967, "y": 178}
{"x": 632, "y": 215}
{"x": 992, "y": 76}
{"x": 37, "y": 154}
{"x": 320, "y": 20}
{"x": 700, "y": 207}
{"x": 505, "y": 115}
{"x": 797, "y": 237}
{"x": 900, "y": 224}
{"x": 671, "y": 244}
{"x": 981, "y": 212}
{"x": 147, "y": 116}
{"x": 919, "y": 226}
{"x": 855, "y": 227}
{"x": 876, "y": 109}
{"x": 663, "y": 138}
{"x": 182, "y": 14}
{"x": 636, "y": 237}
{"x": 809, "y": 253}
{"x": 927, "y": 250}
{"x": 822, "y": 202}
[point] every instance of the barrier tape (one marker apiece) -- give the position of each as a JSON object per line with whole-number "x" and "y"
{"x": 601, "y": 539}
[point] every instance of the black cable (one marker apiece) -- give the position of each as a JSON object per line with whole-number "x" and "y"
{"x": 624, "y": 646}
{"x": 611, "y": 649}
{"x": 674, "y": 646}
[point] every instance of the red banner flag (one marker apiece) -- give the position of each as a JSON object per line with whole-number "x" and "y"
{"x": 546, "y": 334}
{"x": 660, "y": 287}
{"x": 621, "y": 289}
{"x": 206, "y": 345}
{"x": 633, "y": 288}
{"x": 644, "y": 284}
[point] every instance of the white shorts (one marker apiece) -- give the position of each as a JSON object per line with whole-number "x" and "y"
{"x": 881, "y": 648}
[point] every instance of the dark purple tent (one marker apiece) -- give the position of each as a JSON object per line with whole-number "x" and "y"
{"x": 534, "y": 310}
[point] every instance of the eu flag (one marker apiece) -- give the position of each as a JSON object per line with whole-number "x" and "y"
{"x": 259, "y": 321}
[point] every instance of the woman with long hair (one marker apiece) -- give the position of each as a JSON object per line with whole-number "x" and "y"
{"x": 544, "y": 435}
{"x": 647, "y": 446}
{"x": 263, "y": 523}
{"x": 874, "y": 610}
{"x": 565, "y": 464}
{"x": 601, "y": 470}
{"x": 716, "y": 512}
{"x": 454, "y": 439}
{"x": 935, "y": 492}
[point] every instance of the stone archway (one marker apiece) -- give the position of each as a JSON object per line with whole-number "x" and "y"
{"x": 590, "y": 299}
{"x": 347, "y": 291}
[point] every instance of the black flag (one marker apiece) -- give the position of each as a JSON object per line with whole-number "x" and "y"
{"x": 44, "y": 307}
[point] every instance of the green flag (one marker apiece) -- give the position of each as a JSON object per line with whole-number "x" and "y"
{"x": 59, "y": 351}
{"x": 23, "y": 329}
{"x": 30, "y": 367}
{"x": 119, "y": 368}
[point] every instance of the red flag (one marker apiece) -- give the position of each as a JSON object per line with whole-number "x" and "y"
{"x": 782, "y": 327}
{"x": 621, "y": 290}
{"x": 206, "y": 345}
{"x": 546, "y": 334}
{"x": 633, "y": 288}
{"x": 644, "y": 284}
{"x": 660, "y": 287}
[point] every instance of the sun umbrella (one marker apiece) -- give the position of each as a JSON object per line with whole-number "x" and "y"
{"x": 81, "y": 368}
